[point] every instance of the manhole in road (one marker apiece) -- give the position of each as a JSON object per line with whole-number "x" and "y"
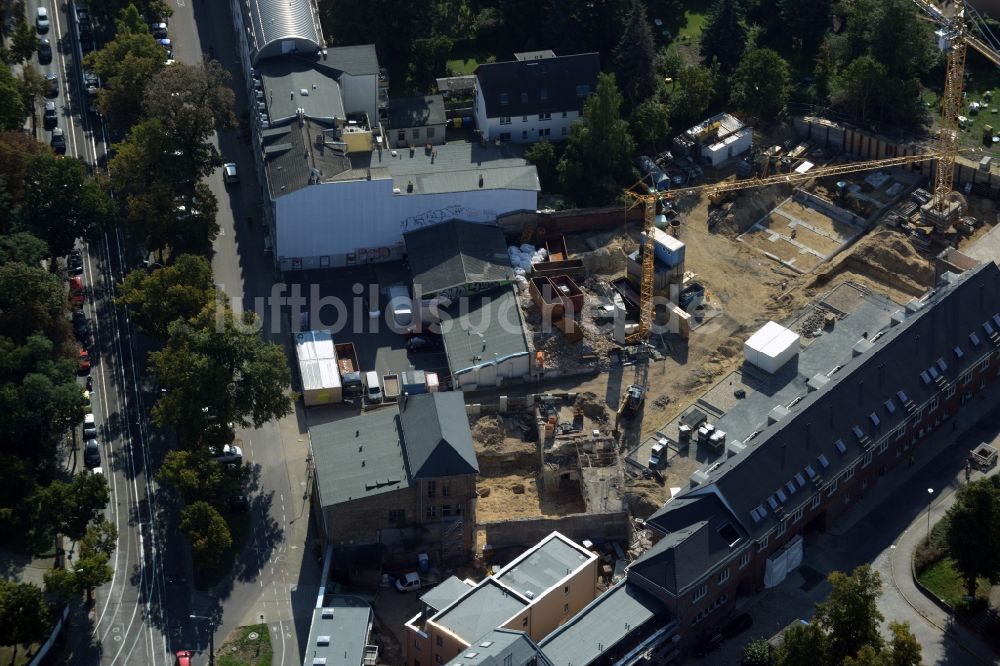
{"x": 253, "y": 635}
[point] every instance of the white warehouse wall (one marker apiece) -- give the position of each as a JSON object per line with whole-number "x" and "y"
{"x": 364, "y": 218}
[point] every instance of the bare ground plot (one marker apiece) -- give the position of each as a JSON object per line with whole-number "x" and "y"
{"x": 824, "y": 224}
{"x": 519, "y": 495}
{"x": 777, "y": 245}
{"x": 807, "y": 234}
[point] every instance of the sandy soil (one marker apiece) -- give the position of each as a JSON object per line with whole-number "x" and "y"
{"x": 504, "y": 503}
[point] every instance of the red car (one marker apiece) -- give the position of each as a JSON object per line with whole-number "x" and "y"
{"x": 84, "y": 361}
{"x": 76, "y": 295}
{"x": 183, "y": 658}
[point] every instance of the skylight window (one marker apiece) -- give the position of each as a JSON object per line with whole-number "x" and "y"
{"x": 987, "y": 328}
{"x": 503, "y": 99}
{"x": 902, "y": 397}
{"x": 810, "y": 472}
{"x": 756, "y": 514}
{"x": 773, "y": 503}
{"x": 543, "y": 94}
{"x": 791, "y": 487}
{"x": 858, "y": 432}
{"x": 925, "y": 377}
{"x": 890, "y": 406}
{"x": 841, "y": 447}
{"x": 823, "y": 461}
{"x": 974, "y": 339}
{"x": 996, "y": 319}
{"x": 524, "y": 98}
{"x": 582, "y": 90}
{"x": 958, "y": 352}
{"x": 874, "y": 419}
{"x": 942, "y": 366}
{"x": 933, "y": 372}
{"x": 801, "y": 480}
{"x": 781, "y": 495}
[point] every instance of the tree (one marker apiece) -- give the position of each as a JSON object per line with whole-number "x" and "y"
{"x": 124, "y": 65}
{"x": 71, "y": 507}
{"x": 16, "y": 148}
{"x": 63, "y": 204}
{"x": 650, "y": 125}
{"x": 543, "y": 155}
{"x": 859, "y": 86}
{"x": 198, "y": 478}
{"x": 11, "y": 104}
{"x": 761, "y": 84}
{"x": 973, "y": 535}
{"x": 756, "y": 653}
{"x": 850, "y": 615}
{"x": 31, "y": 300}
{"x": 867, "y": 656}
{"x": 429, "y": 60}
{"x": 23, "y": 42}
{"x": 100, "y": 539}
{"x": 804, "y": 22}
{"x": 724, "y": 34}
{"x": 635, "y": 55}
{"x": 23, "y": 247}
{"x": 24, "y": 615}
{"x": 206, "y": 530}
{"x": 693, "y": 93}
{"x": 175, "y": 292}
{"x": 91, "y": 571}
{"x": 905, "y": 650}
{"x": 220, "y": 363}
{"x": 600, "y": 138}
{"x": 62, "y": 584}
{"x": 669, "y": 62}
{"x": 802, "y": 644}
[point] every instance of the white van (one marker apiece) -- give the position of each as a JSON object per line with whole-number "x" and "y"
{"x": 401, "y": 307}
{"x": 372, "y": 387}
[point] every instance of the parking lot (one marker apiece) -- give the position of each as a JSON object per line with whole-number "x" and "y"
{"x": 338, "y": 299}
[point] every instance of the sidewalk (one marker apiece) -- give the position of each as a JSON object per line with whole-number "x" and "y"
{"x": 940, "y": 466}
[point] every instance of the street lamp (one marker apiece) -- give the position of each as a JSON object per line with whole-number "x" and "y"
{"x": 211, "y": 637}
{"x": 930, "y": 498}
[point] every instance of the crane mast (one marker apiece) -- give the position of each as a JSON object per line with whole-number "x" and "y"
{"x": 951, "y": 105}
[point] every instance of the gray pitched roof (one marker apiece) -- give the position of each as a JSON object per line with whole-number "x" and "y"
{"x": 675, "y": 561}
{"x": 960, "y": 314}
{"x": 358, "y": 60}
{"x": 407, "y": 112}
{"x": 456, "y": 253}
{"x": 601, "y": 625}
{"x": 284, "y": 79}
{"x": 436, "y": 434}
{"x": 358, "y": 457}
{"x": 480, "y": 611}
{"x": 482, "y": 328}
{"x": 340, "y": 637}
{"x": 532, "y": 86}
{"x": 501, "y": 647}
{"x": 445, "y": 593}
{"x": 274, "y": 21}
{"x": 289, "y": 155}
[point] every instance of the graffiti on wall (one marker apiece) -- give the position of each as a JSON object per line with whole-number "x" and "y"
{"x": 431, "y": 217}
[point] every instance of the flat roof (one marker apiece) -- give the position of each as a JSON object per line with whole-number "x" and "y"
{"x": 772, "y": 337}
{"x": 482, "y": 610}
{"x": 358, "y": 457}
{"x": 420, "y": 111}
{"x": 544, "y": 566}
{"x": 482, "y": 329}
{"x": 283, "y": 80}
{"x": 339, "y": 631}
{"x": 317, "y": 360}
{"x": 456, "y": 167}
{"x": 604, "y": 622}
{"x": 445, "y": 593}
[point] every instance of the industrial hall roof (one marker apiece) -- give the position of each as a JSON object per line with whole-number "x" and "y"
{"x": 483, "y": 328}
{"x": 454, "y": 254}
{"x": 274, "y": 23}
{"x": 534, "y": 86}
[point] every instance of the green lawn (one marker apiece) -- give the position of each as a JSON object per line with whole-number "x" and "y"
{"x": 460, "y": 66}
{"x": 244, "y": 650}
{"x": 694, "y": 20}
{"x": 982, "y": 80}
{"x": 942, "y": 579}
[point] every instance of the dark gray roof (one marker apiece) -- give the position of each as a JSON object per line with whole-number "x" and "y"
{"x": 960, "y": 314}
{"x": 543, "y": 566}
{"x": 675, "y": 561}
{"x": 456, "y": 253}
{"x": 482, "y": 610}
{"x": 284, "y": 79}
{"x": 532, "y": 86}
{"x": 356, "y": 60}
{"x": 408, "y": 112}
{"x": 275, "y": 21}
{"x": 290, "y": 152}
{"x": 502, "y": 647}
{"x": 339, "y": 631}
{"x": 482, "y": 328}
{"x": 358, "y": 457}
{"x": 436, "y": 434}
{"x": 445, "y": 593}
{"x": 602, "y": 624}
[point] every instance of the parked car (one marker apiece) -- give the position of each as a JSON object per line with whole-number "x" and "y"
{"x": 738, "y": 625}
{"x": 89, "y": 426}
{"x": 81, "y": 325}
{"x": 238, "y": 503}
{"x": 230, "y": 453}
{"x": 87, "y": 404}
{"x": 424, "y": 343}
{"x": 159, "y": 29}
{"x": 50, "y": 117}
{"x": 409, "y": 582}
{"x": 708, "y": 645}
{"x": 229, "y": 173}
{"x": 51, "y": 85}
{"x": 58, "y": 143}
{"x": 183, "y": 658}
{"x": 91, "y": 453}
{"x": 75, "y": 262}
{"x": 44, "y": 51}
{"x": 42, "y": 20}
{"x": 84, "y": 361}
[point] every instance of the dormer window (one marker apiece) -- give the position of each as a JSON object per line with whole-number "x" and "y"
{"x": 543, "y": 94}
{"x": 503, "y": 99}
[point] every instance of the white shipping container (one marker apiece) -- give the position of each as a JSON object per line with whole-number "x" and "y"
{"x": 317, "y": 359}
{"x": 771, "y": 347}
